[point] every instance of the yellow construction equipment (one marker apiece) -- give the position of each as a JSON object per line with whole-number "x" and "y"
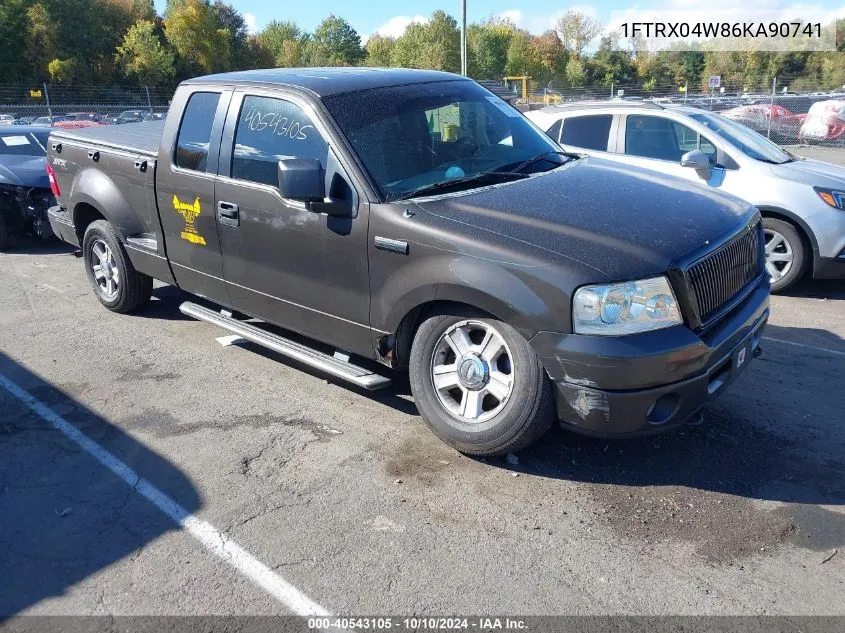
{"x": 548, "y": 97}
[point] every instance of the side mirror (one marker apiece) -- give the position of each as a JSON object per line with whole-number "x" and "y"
{"x": 302, "y": 179}
{"x": 696, "y": 159}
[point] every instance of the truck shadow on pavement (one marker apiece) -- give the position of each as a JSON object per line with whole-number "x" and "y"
{"x": 817, "y": 289}
{"x": 66, "y": 516}
{"x": 775, "y": 436}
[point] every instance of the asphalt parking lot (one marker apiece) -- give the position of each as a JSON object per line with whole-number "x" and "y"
{"x": 345, "y": 499}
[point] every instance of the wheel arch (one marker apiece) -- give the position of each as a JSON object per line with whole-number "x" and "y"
{"x": 804, "y": 231}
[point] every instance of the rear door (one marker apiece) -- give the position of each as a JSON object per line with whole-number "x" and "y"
{"x": 588, "y": 133}
{"x": 185, "y": 180}
{"x": 282, "y": 262}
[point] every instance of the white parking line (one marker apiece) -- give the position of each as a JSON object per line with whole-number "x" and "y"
{"x": 805, "y": 346}
{"x": 212, "y": 538}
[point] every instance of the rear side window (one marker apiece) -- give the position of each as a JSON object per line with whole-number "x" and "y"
{"x": 554, "y": 131}
{"x": 587, "y": 132}
{"x": 270, "y": 130}
{"x": 195, "y": 131}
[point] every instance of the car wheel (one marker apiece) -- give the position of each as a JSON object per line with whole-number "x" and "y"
{"x": 117, "y": 284}
{"x": 785, "y": 255}
{"x": 478, "y": 383}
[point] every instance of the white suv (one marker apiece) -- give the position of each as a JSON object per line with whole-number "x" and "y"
{"x": 802, "y": 201}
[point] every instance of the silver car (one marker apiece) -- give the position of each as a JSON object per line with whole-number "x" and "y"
{"x": 802, "y": 201}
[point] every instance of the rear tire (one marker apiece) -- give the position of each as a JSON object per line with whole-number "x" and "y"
{"x": 117, "y": 284}
{"x": 478, "y": 383}
{"x": 786, "y": 257}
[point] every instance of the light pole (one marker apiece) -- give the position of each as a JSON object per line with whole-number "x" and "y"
{"x": 464, "y": 37}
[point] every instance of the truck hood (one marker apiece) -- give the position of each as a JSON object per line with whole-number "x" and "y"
{"x": 815, "y": 173}
{"x": 24, "y": 171}
{"x": 622, "y": 221}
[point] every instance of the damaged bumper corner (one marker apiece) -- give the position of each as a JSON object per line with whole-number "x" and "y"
{"x": 28, "y": 207}
{"x": 644, "y": 383}
{"x": 62, "y": 225}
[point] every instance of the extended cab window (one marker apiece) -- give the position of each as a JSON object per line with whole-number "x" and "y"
{"x": 663, "y": 139}
{"x": 195, "y": 131}
{"x": 587, "y": 132}
{"x": 270, "y": 130}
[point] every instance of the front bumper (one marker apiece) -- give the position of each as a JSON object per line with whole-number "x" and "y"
{"x": 643, "y": 383}
{"x": 829, "y": 267}
{"x": 62, "y": 225}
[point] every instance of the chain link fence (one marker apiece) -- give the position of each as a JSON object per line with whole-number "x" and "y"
{"x": 770, "y": 107}
{"x": 47, "y": 105}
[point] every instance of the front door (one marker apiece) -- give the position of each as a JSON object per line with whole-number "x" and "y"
{"x": 658, "y": 143}
{"x": 185, "y": 195}
{"x": 283, "y": 263}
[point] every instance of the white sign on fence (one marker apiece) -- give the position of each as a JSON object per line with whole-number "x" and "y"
{"x": 715, "y": 81}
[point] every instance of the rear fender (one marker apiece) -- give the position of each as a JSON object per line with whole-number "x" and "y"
{"x": 93, "y": 187}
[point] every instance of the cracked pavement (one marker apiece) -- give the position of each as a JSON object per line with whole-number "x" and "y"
{"x": 350, "y": 497}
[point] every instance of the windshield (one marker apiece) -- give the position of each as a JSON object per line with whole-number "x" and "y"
{"x": 23, "y": 144}
{"x": 413, "y": 138}
{"x": 744, "y": 139}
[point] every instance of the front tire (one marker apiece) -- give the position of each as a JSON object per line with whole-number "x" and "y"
{"x": 786, "y": 259}
{"x": 478, "y": 383}
{"x": 117, "y": 284}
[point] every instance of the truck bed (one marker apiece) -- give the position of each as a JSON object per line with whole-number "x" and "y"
{"x": 136, "y": 138}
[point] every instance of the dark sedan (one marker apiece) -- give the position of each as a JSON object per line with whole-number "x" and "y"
{"x": 25, "y": 192}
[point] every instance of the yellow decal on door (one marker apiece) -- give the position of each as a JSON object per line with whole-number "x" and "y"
{"x": 189, "y": 211}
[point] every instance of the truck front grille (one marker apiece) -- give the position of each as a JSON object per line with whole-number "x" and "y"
{"x": 723, "y": 274}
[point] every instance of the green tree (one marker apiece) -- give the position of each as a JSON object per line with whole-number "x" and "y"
{"x": 63, "y": 71}
{"x": 14, "y": 25}
{"x": 575, "y": 74}
{"x": 576, "y": 30}
{"x": 519, "y": 61}
{"x": 334, "y": 43}
{"x": 40, "y": 39}
{"x": 489, "y": 42}
{"x": 435, "y": 45}
{"x": 379, "y": 49}
{"x": 548, "y": 58}
{"x": 192, "y": 29}
{"x": 142, "y": 56}
{"x": 283, "y": 43}
{"x": 230, "y": 20}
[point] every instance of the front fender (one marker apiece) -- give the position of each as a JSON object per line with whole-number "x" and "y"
{"x": 503, "y": 290}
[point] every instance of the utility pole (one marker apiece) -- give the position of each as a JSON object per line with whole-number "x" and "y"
{"x": 464, "y": 37}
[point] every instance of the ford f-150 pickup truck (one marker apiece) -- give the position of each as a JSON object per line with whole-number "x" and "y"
{"x": 413, "y": 220}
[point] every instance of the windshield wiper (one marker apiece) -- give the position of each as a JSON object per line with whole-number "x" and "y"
{"x": 543, "y": 156}
{"x": 484, "y": 178}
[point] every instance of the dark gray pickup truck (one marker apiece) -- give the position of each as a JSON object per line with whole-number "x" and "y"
{"x": 414, "y": 220}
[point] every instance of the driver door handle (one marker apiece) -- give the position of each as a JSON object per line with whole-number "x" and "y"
{"x": 228, "y": 213}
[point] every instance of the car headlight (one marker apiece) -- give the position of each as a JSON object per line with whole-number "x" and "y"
{"x": 834, "y": 198}
{"x": 625, "y": 308}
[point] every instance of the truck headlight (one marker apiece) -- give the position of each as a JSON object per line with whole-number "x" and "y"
{"x": 834, "y": 198}
{"x": 625, "y": 308}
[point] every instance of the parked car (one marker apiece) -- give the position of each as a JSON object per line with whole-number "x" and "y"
{"x": 825, "y": 122}
{"x": 801, "y": 200}
{"x": 130, "y": 116}
{"x": 85, "y": 116}
{"x": 439, "y": 233}
{"x": 24, "y": 120}
{"x": 773, "y": 121}
{"x": 24, "y": 187}
{"x": 7, "y": 119}
{"x": 48, "y": 121}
